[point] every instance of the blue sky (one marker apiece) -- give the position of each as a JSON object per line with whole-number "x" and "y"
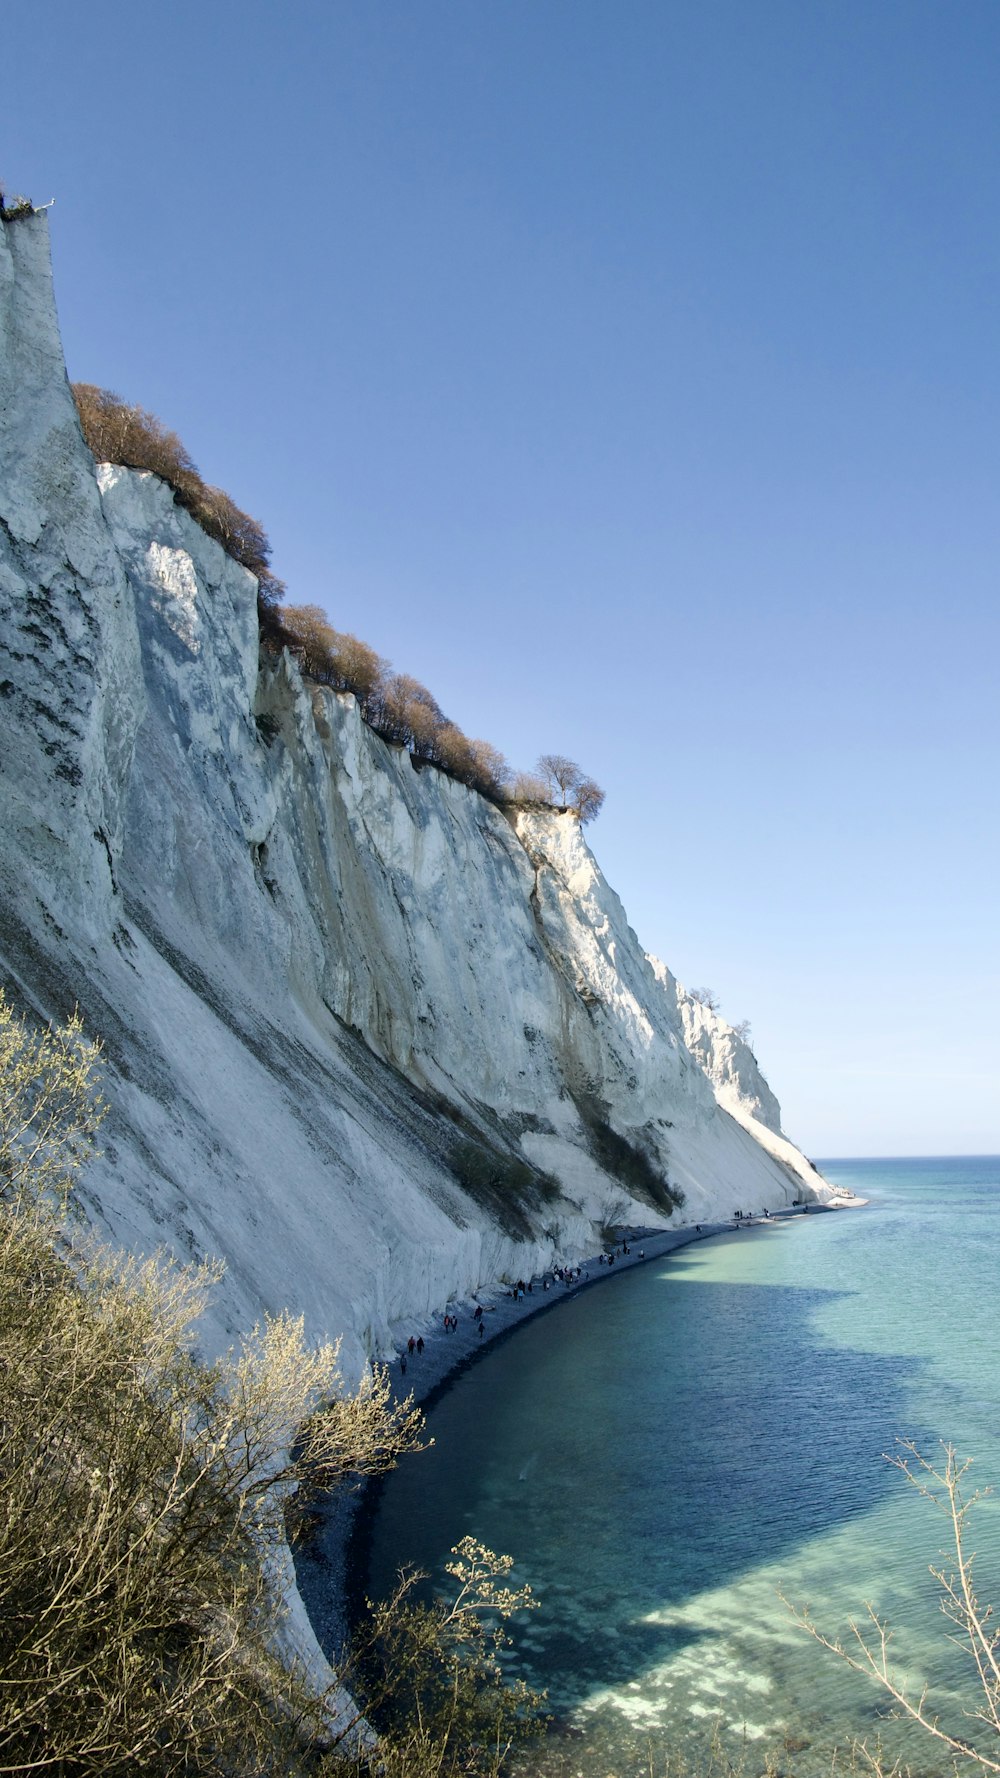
{"x": 627, "y": 372}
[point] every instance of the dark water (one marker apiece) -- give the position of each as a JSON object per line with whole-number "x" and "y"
{"x": 663, "y": 1453}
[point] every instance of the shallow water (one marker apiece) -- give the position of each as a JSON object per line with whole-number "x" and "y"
{"x": 663, "y": 1453}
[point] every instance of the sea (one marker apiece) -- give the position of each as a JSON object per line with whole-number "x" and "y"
{"x": 689, "y": 1458}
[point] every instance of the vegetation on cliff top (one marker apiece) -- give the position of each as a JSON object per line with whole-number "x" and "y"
{"x": 395, "y": 705}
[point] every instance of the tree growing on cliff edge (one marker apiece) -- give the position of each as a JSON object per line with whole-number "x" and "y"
{"x": 567, "y": 784}
{"x": 569, "y": 787}
{"x": 560, "y": 774}
{"x": 706, "y": 997}
{"x": 397, "y": 706}
{"x": 588, "y": 799}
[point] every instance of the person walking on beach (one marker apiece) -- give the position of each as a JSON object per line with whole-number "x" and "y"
{"x": 402, "y": 1363}
{"x": 480, "y": 1330}
{"x": 420, "y": 1343}
{"x": 411, "y": 1342}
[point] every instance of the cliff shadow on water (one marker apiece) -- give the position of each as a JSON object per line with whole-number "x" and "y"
{"x": 654, "y": 1441}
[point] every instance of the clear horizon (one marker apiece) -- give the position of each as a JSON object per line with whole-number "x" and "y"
{"x": 834, "y": 1160}
{"x": 630, "y": 378}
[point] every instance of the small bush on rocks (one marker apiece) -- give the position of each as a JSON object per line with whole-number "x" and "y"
{"x": 118, "y": 431}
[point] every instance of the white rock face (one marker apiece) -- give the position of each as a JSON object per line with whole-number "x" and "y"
{"x": 728, "y": 1061}
{"x": 367, "y": 1041}
{"x": 740, "y": 1087}
{"x": 333, "y": 988}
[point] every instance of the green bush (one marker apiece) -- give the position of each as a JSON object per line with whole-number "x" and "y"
{"x": 625, "y": 1160}
{"x": 14, "y": 207}
{"x": 430, "y": 1676}
{"x": 509, "y": 1187}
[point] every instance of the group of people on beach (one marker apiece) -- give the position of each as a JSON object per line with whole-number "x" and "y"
{"x": 558, "y": 1275}
{"x": 413, "y": 1345}
{"x": 523, "y": 1287}
{"x": 608, "y": 1259}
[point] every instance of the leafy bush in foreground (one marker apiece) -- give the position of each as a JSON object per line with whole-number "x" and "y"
{"x": 430, "y": 1675}
{"x": 145, "y": 1492}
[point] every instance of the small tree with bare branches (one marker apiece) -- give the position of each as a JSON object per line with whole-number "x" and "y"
{"x": 706, "y": 997}
{"x": 529, "y": 788}
{"x": 868, "y": 1651}
{"x": 431, "y": 1678}
{"x": 562, "y": 775}
{"x": 588, "y": 800}
{"x": 313, "y": 639}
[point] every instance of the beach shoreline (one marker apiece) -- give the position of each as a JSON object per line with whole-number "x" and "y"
{"x": 327, "y": 1565}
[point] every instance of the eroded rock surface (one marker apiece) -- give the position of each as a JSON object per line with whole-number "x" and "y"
{"x": 369, "y": 1040}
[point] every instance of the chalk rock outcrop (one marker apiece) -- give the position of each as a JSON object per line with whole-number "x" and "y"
{"x": 369, "y": 1039}
{"x": 727, "y": 1060}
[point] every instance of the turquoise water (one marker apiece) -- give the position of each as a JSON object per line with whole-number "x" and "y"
{"x": 663, "y": 1453}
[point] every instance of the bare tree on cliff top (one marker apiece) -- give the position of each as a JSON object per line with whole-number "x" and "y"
{"x": 561, "y": 774}
{"x": 706, "y": 997}
{"x": 588, "y": 799}
{"x": 568, "y": 785}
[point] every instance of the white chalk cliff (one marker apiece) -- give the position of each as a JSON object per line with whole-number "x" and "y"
{"x": 369, "y": 1040}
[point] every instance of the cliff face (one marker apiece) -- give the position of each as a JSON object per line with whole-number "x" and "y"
{"x": 368, "y": 1040}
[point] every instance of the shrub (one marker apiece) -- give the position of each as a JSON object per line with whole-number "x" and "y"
{"x": 403, "y": 710}
{"x": 312, "y": 639}
{"x": 454, "y": 752}
{"x": 120, "y": 432}
{"x": 625, "y": 1160}
{"x": 504, "y": 1184}
{"x": 145, "y": 1493}
{"x": 447, "y": 1710}
{"x": 588, "y": 800}
{"x": 490, "y": 772}
{"x": 357, "y": 668}
{"x": 528, "y": 788}
{"x": 14, "y": 207}
{"x": 333, "y": 658}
